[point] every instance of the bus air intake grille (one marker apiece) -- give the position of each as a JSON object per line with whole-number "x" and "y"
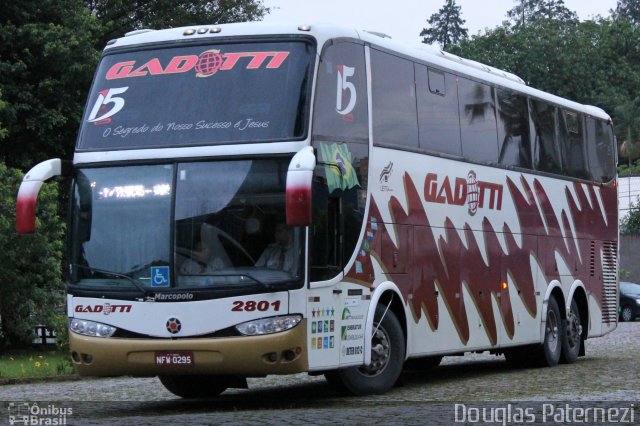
{"x": 592, "y": 259}
{"x": 609, "y": 281}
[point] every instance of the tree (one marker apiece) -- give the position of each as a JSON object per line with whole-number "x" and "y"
{"x": 120, "y": 16}
{"x": 30, "y": 287}
{"x": 47, "y": 59}
{"x": 628, "y": 9}
{"x": 628, "y": 125}
{"x": 552, "y": 55}
{"x": 528, "y": 11}
{"x": 446, "y": 26}
{"x": 593, "y": 62}
{"x": 3, "y": 131}
{"x": 46, "y": 63}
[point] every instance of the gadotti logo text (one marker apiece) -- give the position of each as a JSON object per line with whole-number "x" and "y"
{"x": 474, "y": 193}
{"x": 206, "y": 64}
{"x": 106, "y": 309}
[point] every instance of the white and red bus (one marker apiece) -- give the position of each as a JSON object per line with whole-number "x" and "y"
{"x": 433, "y": 206}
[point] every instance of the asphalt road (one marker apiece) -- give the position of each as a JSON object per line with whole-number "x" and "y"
{"x": 476, "y": 388}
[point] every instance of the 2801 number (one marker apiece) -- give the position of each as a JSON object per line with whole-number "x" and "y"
{"x": 252, "y": 305}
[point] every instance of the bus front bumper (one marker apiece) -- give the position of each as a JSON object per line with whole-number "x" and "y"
{"x": 279, "y": 353}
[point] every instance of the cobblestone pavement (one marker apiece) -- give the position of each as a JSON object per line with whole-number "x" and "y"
{"x": 607, "y": 375}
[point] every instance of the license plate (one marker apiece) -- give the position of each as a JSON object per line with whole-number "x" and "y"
{"x": 174, "y": 358}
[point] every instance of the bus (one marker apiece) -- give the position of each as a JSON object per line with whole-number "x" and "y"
{"x": 254, "y": 199}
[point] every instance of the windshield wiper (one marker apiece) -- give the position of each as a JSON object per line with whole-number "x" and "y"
{"x": 263, "y": 284}
{"x": 242, "y": 277}
{"x": 133, "y": 281}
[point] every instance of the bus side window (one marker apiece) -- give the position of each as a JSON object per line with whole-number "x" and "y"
{"x": 340, "y": 107}
{"x": 477, "y": 121}
{"x": 600, "y": 150}
{"x": 395, "y": 119}
{"x": 546, "y": 153}
{"x": 438, "y": 116}
{"x": 572, "y": 144}
{"x": 513, "y": 130}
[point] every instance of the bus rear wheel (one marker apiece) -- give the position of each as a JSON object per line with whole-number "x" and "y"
{"x": 196, "y": 386}
{"x": 387, "y": 358}
{"x": 572, "y": 337}
{"x": 548, "y": 355}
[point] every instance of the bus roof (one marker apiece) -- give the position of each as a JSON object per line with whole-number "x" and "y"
{"x": 323, "y": 32}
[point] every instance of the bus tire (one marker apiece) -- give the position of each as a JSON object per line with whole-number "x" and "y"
{"x": 548, "y": 354}
{"x": 387, "y": 358}
{"x": 196, "y": 386}
{"x": 572, "y": 336}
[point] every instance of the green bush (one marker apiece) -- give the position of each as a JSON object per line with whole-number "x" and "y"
{"x": 625, "y": 170}
{"x": 31, "y": 290}
{"x": 630, "y": 224}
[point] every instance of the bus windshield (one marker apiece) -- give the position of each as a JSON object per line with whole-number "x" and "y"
{"x": 225, "y": 219}
{"x": 199, "y": 95}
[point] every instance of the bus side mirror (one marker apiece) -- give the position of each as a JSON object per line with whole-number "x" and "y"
{"x": 28, "y": 193}
{"x": 299, "y": 180}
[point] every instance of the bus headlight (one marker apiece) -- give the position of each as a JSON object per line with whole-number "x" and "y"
{"x": 91, "y": 328}
{"x": 269, "y": 325}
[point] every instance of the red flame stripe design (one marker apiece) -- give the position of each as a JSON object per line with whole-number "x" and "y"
{"x": 430, "y": 269}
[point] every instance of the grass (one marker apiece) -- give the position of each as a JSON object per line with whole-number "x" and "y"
{"x": 35, "y": 364}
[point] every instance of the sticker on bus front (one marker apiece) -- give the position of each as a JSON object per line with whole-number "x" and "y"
{"x": 160, "y": 276}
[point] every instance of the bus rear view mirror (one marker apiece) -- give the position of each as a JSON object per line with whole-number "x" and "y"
{"x": 299, "y": 180}
{"x": 28, "y": 193}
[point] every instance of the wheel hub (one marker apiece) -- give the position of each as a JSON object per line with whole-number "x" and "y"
{"x": 552, "y": 330}
{"x": 574, "y": 329}
{"x": 380, "y": 352}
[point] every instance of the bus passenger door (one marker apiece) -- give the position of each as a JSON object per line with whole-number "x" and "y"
{"x": 340, "y": 138}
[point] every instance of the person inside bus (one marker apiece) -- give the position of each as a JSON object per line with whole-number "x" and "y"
{"x": 279, "y": 255}
{"x": 208, "y": 254}
{"x": 201, "y": 261}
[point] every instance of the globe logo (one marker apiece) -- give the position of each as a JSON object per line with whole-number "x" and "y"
{"x": 472, "y": 192}
{"x": 174, "y": 325}
{"x": 107, "y": 309}
{"x": 209, "y": 62}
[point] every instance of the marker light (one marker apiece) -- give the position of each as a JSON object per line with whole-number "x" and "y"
{"x": 269, "y": 325}
{"x": 91, "y": 328}
{"x": 504, "y": 286}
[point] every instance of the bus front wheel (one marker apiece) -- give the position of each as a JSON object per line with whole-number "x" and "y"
{"x": 196, "y": 386}
{"x": 387, "y": 358}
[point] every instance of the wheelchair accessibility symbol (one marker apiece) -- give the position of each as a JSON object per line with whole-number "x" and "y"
{"x": 159, "y": 276}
